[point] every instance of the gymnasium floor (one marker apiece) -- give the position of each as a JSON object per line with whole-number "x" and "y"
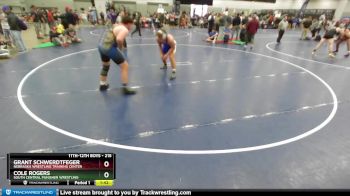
{"x": 273, "y": 117}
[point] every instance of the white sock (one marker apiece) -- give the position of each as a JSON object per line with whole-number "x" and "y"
{"x": 174, "y": 70}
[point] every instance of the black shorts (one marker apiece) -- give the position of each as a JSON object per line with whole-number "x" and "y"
{"x": 328, "y": 36}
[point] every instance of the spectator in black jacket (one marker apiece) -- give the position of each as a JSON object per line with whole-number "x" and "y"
{"x": 236, "y": 26}
{"x": 68, "y": 18}
{"x": 15, "y": 29}
{"x": 211, "y": 22}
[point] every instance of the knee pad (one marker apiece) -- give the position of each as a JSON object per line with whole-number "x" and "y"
{"x": 104, "y": 71}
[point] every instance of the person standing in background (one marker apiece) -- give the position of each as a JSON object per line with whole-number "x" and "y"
{"x": 183, "y": 20}
{"x": 55, "y": 14}
{"x": 35, "y": 17}
{"x": 161, "y": 20}
{"x": 69, "y": 18}
{"x": 15, "y": 29}
{"x": 102, "y": 15}
{"x": 50, "y": 18}
{"x": 6, "y": 29}
{"x": 322, "y": 17}
{"x": 252, "y": 29}
{"x": 121, "y": 14}
{"x": 244, "y": 22}
{"x": 222, "y": 23}
{"x": 83, "y": 16}
{"x": 236, "y": 23}
{"x": 77, "y": 19}
{"x": 113, "y": 16}
{"x": 294, "y": 22}
{"x": 93, "y": 13}
{"x": 228, "y": 21}
{"x": 211, "y": 22}
{"x": 282, "y": 27}
{"x": 137, "y": 22}
{"x": 43, "y": 21}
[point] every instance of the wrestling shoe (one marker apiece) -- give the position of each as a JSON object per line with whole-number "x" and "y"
{"x": 104, "y": 87}
{"x": 313, "y": 52}
{"x": 128, "y": 91}
{"x": 173, "y": 76}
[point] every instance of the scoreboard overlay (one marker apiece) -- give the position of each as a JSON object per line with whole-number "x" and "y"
{"x": 90, "y": 169}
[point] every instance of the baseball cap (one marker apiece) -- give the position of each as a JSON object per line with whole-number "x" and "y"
{"x": 5, "y": 8}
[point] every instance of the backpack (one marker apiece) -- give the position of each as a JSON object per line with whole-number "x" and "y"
{"x": 21, "y": 24}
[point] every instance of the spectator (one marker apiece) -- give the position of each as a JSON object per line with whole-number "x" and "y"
{"x": 15, "y": 29}
{"x": 137, "y": 22}
{"x": 59, "y": 27}
{"x": 236, "y": 23}
{"x": 295, "y": 22}
{"x": 71, "y": 35}
{"x": 69, "y": 18}
{"x": 57, "y": 38}
{"x": 56, "y": 14}
{"x": 222, "y": 23}
{"x": 83, "y": 16}
{"x": 183, "y": 20}
{"x": 211, "y": 22}
{"x": 6, "y": 29}
{"x": 252, "y": 29}
{"x": 120, "y": 16}
{"x": 4, "y": 52}
{"x": 77, "y": 18}
{"x": 36, "y": 17}
{"x": 43, "y": 21}
{"x": 112, "y": 16}
{"x": 102, "y": 16}
{"x": 93, "y": 14}
{"x": 244, "y": 21}
{"x": 213, "y": 35}
{"x": 50, "y": 18}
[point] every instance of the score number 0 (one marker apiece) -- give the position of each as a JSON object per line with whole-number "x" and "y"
{"x": 106, "y": 164}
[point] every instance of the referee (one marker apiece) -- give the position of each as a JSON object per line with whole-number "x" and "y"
{"x": 282, "y": 27}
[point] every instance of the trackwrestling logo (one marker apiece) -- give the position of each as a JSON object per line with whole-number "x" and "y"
{"x": 29, "y": 192}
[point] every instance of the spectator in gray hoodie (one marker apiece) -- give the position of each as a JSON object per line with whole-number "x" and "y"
{"x": 15, "y": 29}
